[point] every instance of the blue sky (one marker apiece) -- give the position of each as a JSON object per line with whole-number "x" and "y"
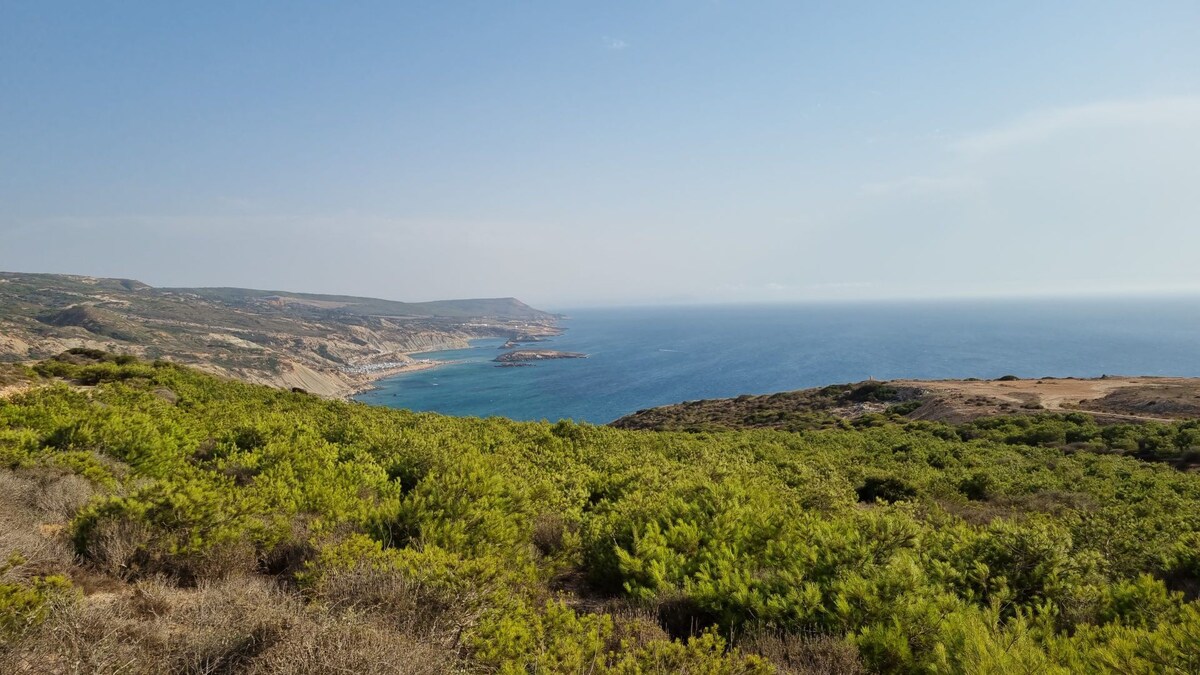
{"x": 606, "y": 153}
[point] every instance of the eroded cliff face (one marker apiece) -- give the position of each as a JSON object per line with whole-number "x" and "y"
{"x": 333, "y": 366}
{"x": 330, "y": 346}
{"x": 322, "y": 366}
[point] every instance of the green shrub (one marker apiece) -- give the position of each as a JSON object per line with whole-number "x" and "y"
{"x": 887, "y": 489}
{"x": 24, "y": 605}
{"x": 1004, "y": 545}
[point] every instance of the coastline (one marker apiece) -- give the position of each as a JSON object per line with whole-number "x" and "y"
{"x": 361, "y": 382}
{"x": 366, "y": 381}
{"x": 343, "y": 382}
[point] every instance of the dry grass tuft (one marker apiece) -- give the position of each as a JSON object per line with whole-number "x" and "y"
{"x": 238, "y": 624}
{"x": 549, "y": 531}
{"x": 131, "y": 550}
{"x": 801, "y": 654}
{"x": 34, "y": 508}
{"x": 112, "y": 547}
{"x": 397, "y": 601}
{"x": 61, "y": 497}
{"x": 350, "y": 644}
{"x": 634, "y": 627}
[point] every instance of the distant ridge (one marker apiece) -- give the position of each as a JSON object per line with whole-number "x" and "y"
{"x": 328, "y": 344}
{"x": 506, "y": 308}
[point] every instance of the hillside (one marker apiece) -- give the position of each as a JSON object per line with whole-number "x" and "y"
{"x": 1151, "y": 418}
{"x": 1108, "y": 399}
{"x": 157, "y": 519}
{"x": 325, "y": 344}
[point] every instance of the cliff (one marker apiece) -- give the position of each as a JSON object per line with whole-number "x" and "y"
{"x": 325, "y": 344}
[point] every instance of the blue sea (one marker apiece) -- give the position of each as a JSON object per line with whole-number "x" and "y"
{"x": 646, "y": 357}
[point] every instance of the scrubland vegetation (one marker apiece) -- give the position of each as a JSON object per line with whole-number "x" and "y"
{"x": 155, "y": 519}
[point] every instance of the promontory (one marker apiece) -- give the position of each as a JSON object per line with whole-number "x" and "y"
{"x": 525, "y": 355}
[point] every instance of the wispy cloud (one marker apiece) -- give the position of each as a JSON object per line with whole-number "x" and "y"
{"x": 1041, "y": 126}
{"x": 1102, "y": 192}
{"x": 615, "y": 44}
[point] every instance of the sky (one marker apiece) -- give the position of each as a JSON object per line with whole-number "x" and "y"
{"x": 582, "y": 154}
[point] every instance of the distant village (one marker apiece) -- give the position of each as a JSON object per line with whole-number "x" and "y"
{"x": 386, "y": 365}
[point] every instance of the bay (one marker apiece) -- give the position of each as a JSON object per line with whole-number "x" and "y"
{"x": 644, "y": 357}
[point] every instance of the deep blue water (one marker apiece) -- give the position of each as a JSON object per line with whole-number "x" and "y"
{"x": 653, "y": 356}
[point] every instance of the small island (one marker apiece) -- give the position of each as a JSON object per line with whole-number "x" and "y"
{"x": 526, "y": 355}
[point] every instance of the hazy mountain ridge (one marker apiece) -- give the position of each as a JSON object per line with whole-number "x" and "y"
{"x": 316, "y": 342}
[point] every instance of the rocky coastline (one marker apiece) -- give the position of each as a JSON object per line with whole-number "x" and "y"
{"x": 330, "y": 346}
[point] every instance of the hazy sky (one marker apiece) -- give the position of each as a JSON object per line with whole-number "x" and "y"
{"x": 573, "y": 153}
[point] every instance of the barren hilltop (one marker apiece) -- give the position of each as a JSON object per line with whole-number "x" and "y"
{"x": 1107, "y": 399}
{"x": 325, "y": 344}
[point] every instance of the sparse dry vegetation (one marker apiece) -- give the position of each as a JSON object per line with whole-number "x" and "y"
{"x": 240, "y": 624}
{"x": 800, "y": 654}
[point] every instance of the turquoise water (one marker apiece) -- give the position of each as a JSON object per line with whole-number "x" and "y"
{"x": 653, "y": 356}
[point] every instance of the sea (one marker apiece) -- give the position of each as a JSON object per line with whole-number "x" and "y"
{"x": 650, "y": 356}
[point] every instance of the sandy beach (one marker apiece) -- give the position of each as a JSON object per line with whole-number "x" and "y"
{"x": 366, "y": 381}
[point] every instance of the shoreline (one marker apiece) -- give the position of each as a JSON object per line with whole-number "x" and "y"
{"x": 363, "y": 382}
{"x": 367, "y": 381}
{"x": 370, "y": 379}
{"x": 344, "y": 383}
